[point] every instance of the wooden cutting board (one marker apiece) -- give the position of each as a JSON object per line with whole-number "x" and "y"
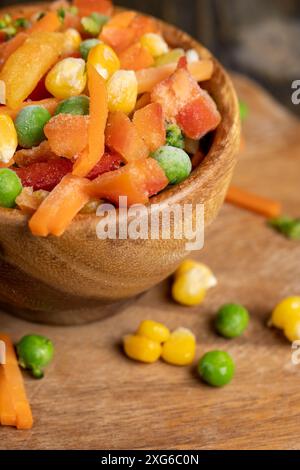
{"x": 93, "y": 397}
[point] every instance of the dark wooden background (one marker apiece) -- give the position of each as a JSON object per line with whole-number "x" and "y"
{"x": 258, "y": 37}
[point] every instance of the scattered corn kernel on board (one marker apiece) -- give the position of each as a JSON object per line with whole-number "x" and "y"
{"x": 94, "y": 397}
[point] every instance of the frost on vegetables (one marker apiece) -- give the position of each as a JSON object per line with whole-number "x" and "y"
{"x": 95, "y": 105}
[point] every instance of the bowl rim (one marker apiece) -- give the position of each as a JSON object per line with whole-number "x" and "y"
{"x": 223, "y": 137}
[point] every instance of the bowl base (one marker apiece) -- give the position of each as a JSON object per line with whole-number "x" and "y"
{"x": 72, "y": 317}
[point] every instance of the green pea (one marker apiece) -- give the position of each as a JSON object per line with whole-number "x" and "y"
{"x": 74, "y": 105}
{"x": 10, "y": 187}
{"x": 175, "y": 162}
{"x": 94, "y": 23}
{"x": 30, "y": 124}
{"x": 35, "y": 352}
{"x": 86, "y": 46}
{"x": 232, "y": 320}
{"x": 244, "y": 110}
{"x": 216, "y": 368}
{"x": 174, "y": 136}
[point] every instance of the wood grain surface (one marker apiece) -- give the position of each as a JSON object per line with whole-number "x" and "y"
{"x": 93, "y": 397}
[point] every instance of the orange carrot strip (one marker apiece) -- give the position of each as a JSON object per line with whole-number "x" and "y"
{"x": 49, "y": 103}
{"x": 148, "y": 78}
{"x": 11, "y": 46}
{"x": 7, "y": 410}
{"x": 252, "y": 202}
{"x": 98, "y": 118}
{"x": 61, "y": 206}
{"x": 15, "y": 382}
{"x": 49, "y": 23}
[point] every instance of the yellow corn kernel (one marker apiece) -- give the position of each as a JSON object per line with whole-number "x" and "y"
{"x": 185, "y": 293}
{"x": 284, "y": 310}
{"x": 153, "y": 330}
{"x": 180, "y": 348}
{"x": 72, "y": 41}
{"x": 191, "y": 282}
{"x": 155, "y": 44}
{"x": 199, "y": 272}
{"x": 67, "y": 78}
{"x": 8, "y": 138}
{"x": 292, "y": 327}
{"x": 169, "y": 57}
{"x": 104, "y": 59}
{"x": 142, "y": 349}
{"x": 122, "y": 91}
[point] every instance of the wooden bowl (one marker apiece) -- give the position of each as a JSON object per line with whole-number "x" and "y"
{"x": 78, "y": 278}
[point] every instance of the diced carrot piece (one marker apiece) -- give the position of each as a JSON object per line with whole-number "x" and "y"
{"x": 122, "y": 20}
{"x": 14, "y": 379}
{"x": 142, "y": 24}
{"x": 11, "y": 46}
{"x": 149, "y": 78}
{"x": 136, "y": 57}
{"x": 41, "y": 153}
{"x": 137, "y": 181}
{"x": 199, "y": 117}
{"x": 86, "y": 7}
{"x": 61, "y": 206}
{"x": 123, "y": 137}
{"x": 50, "y": 23}
{"x": 150, "y": 124}
{"x": 126, "y": 28}
{"x": 67, "y": 134}
{"x": 49, "y": 103}
{"x": 143, "y": 101}
{"x": 97, "y": 123}
{"x": 118, "y": 38}
{"x": 72, "y": 21}
{"x": 28, "y": 64}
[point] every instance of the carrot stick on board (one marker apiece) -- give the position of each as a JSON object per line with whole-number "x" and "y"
{"x": 247, "y": 200}
{"x": 98, "y": 118}
{"x": 58, "y": 210}
{"x": 147, "y": 78}
{"x": 12, "y": 387}
{"x": 50, "y": 23}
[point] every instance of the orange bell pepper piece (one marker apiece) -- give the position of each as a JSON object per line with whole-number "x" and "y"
{"x": 58, "y": 210}
{"x": 49, "y": 23}
{"x": 28, "y": 64}
{"x": 12, "y": 378}
{"x": 98, "y": 118}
